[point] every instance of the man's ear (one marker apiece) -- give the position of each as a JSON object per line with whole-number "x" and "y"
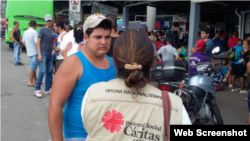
{"x": 86, "y": 37}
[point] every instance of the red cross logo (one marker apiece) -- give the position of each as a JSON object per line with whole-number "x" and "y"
{"x": 113, "y": 121}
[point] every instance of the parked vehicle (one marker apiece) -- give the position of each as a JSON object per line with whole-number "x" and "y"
{"x": 24, "y": 12}
{"x": 197, "y": 93}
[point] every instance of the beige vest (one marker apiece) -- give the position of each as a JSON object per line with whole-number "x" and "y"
{"x": 113, "y": 112}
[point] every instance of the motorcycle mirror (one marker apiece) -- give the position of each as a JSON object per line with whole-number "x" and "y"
{"x": 216, "y": 50}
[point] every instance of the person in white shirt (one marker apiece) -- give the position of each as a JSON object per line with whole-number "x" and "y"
{"x": 59, "y": 28}
{"x": 30, "y": 40}
{"x": 76, "y": 45}
{"x": 69, "y": 37}
{"x": 168, "y": 52}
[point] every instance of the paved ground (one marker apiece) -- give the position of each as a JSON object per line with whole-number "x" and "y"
{"x": 24, "y": 116}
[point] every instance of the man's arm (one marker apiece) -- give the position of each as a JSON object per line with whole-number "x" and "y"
{"x": 177, "y": 56}
{"x": 38, "y": 45}
{"x": 63, "y": 86}
{"x": 159, "y": 57}
{"x": 248, "y": 67}
{"x": 158, "y": 54}
{"x": 54, "y": 44}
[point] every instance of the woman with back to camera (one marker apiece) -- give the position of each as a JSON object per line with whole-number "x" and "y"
{"x": 133, "y": 103}
{"x": 73, "y": 47}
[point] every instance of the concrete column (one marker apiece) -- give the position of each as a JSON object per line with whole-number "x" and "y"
{"x": 151, "y": 17}
{"x": 125, "y": 17}
{"x": 193, "y": 25}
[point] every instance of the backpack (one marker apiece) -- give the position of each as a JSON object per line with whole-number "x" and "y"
{"x": 233, "y": 55}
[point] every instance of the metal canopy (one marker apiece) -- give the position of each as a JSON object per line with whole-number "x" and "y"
{"x": 129, "y": 3}
{"x": 208, "y": 7}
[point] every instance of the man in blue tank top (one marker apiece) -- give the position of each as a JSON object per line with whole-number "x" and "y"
{"x": 75, "y": 75}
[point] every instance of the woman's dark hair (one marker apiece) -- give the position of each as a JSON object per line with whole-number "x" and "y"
{"x": 129, "y": 48}
{"x": 104, "y": 24}
{"x": 78, "y": 34}
{"x": 225, "y": 60}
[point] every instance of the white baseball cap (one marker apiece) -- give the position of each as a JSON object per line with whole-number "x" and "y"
{"x": 94, "y": 20}
{"x": 47, "y": 17}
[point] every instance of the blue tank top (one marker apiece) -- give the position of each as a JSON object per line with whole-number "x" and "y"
{"x": 224, "y": 69}
{"x": 183, "y": 52}
{"x": 72, "y": 120}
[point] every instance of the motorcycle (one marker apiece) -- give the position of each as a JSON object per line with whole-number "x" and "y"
{"x": 197, "y": 93}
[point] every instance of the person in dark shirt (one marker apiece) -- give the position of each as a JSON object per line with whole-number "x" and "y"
{"x": 16, "y": 37}
{"x": 218, "y": 42}
{"x": 185, "y": 62}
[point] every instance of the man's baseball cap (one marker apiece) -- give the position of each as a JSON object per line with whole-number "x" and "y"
{"x": 199, "y": 44}
{"x": 143, "y": 27}
{"x": 94, "y": 20}
{"x": 47, "y": 17}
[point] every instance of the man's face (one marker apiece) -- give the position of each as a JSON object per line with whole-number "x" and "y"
{"x": 55, "y": 27}
{"x": 17, "y": 24}
{"x": 98, "y": 43}
{"x": 49, "y": 23}
{"x": 204, "y": 35}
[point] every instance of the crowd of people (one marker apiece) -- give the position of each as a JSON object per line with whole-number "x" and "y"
{"x": 236, "y": 49}
{"x": 102, "y": 76}
{"x": 82, "y": 59}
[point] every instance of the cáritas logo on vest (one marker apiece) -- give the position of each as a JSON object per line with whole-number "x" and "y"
{"x": 113, "y": 122}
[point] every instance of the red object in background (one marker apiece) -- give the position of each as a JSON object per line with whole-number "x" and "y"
{"x": 233, "y": 42}
{"x": 157, "y": 25}
{"x": 218, "y": 88}
{"x": 223, "y": 36}
{"x": 164, "y": 87}
{"x": 158, "y": 63}
{"x": 158, "y": 45}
